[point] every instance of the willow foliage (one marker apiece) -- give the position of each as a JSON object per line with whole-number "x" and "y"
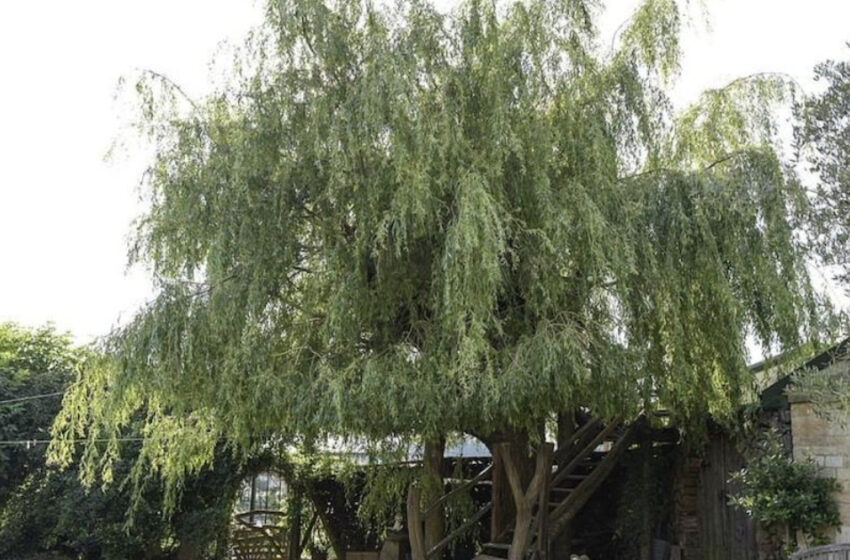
{"x": 824, "y": 140}
{"x": 395, "y": 222}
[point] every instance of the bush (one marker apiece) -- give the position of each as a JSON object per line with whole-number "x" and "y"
{"x": 776, "y": 490}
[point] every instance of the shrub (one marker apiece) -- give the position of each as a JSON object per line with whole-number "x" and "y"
{"x": 774, "y": 489}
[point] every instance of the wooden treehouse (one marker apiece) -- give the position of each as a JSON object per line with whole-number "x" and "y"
{"x": 527, "y": 519}
{"x": 518, "y": 511}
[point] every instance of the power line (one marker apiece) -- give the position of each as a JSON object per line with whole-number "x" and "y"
{"x": 33, "y": 442}
{"x": 124, "y": 439}
{"x": 32, "y": 397}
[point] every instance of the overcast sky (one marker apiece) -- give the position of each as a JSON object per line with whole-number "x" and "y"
{"x": 65, "y": 213}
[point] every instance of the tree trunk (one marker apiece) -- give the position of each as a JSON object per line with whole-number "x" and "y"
{"x": 414, "y": 524}
{"x": 294, "y": 545}
{"x": 513, "y": 447}
{"x": 433, "y": 464}
{"x": 525, "y": 497}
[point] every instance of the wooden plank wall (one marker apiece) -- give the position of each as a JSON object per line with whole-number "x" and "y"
{"x": 707, "y": 528}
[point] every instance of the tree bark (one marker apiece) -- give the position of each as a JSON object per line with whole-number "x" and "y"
{"x": 294, "y": 545}
{"x": 513, "y": 446}
{"x": 525, "y": 497}
{"x": 434, "y": 472}
{"x": 414, "y": 524}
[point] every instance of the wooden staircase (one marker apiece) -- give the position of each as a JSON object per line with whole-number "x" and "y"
{"x": 564, "y": 482}
{"x": 577, "y": 472}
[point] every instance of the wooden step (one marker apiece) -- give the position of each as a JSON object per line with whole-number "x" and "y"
{"x": 496, "y": 550}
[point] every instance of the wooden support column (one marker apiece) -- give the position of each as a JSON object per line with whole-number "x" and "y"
{"x": 561, "y": 547}
{"x": 648, "y": 498}
{"x": 500, "y": 492}
{"x": 543, "y": 537}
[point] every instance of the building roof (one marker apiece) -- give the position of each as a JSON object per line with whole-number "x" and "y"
{"x": 774, "y": 398}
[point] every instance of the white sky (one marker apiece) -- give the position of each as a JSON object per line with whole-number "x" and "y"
{"x": 65, "y": 213}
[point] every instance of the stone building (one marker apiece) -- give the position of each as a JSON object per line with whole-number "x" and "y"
{"x": 817, "y": 430}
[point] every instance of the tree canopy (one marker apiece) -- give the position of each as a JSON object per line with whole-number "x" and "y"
{"x": 394, "y": 222}
{"x": 35, "y": 368}
{"x": 824, "y": 138}
{"x": 43, "y": 510}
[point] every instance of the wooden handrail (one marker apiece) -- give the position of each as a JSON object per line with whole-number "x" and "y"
{"x": 569, "y": 507}
{"x": 454, "y": 491}
{"x": 238, "y": 516}
{"x": 562, "y": 453}
{"x": 462, "y": 528}
{"x": 415, "y": 516}
{"x": 586, "y": 451}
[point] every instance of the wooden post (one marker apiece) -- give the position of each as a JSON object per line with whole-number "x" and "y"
{"x": 252, "y": 504}
{"x": 544, "y": 456}
{"x": 414, "y": 524}
{"x": 647, "y": 495}
{"x": 498, "y": 494}
{"x": 560, "y": 548}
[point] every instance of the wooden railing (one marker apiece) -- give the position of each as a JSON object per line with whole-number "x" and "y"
{"x": 258, "y": 542}
{"x": 535, "y": 525}
{"x": 829, "y": 552}
{"x": 416, "y": 517}
{"x": 565, "y": 511}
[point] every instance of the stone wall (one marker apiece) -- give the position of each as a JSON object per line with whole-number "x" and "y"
{"x": 828, "y": 442}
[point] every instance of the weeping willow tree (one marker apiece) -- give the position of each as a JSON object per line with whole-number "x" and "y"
{"x": 392, "y": 222}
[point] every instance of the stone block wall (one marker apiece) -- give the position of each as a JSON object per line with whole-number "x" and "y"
{"x": 828, "y": 443}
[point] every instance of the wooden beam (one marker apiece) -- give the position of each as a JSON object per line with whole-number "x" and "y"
{"x": 587, "y": 450}
{"x": 576, "y": 440}
{"x": 459, "y": 530}
{"x": 463, "y": 487}
{"x": 543, "y": 541}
